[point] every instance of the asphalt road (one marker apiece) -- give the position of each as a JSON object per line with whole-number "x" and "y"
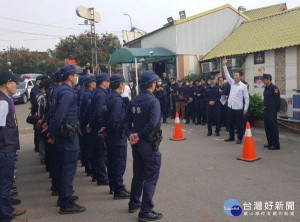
{"x": 197, "y": 176}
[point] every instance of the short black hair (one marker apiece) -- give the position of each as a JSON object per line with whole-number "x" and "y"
{"x": 146, "y": 86}
{"x": 115, "y": 85}
{"x": 220, "y": 78}
{"x": 239, "y": 72}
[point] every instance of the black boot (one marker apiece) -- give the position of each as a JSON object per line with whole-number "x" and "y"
{"x": 72, "y": 209}
{"x": 152, "y": 216}
{"x": 123, "y": 194}
{"x": 14, "y": 201}
{"x": 102, "y": 183}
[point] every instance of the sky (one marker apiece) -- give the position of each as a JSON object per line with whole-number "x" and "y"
{"x": 146, "y": 15}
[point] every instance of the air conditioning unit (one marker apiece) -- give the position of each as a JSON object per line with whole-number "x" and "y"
{"x": 207, "y": 67}
{"x": 286, "y": 106}
{"x": 232, "y": 63}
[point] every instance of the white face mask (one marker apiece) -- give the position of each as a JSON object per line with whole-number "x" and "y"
{"x": 159, "y": 83}
{"x": 76, "y": 82}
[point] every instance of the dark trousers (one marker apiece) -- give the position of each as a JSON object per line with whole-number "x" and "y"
{"x": 99, "y": 158}
{"x": 67, "y": 171}
{"x": 83, "y": 154}
{"x": 36, "y": 138}
{"x": 54, "y": 166}
{"x": 271, "y": 126}
{"x": 200, "y": 108}
{"x": 7, "y": 166}
{"x": 235, "y": 119}
{"x": 116, "y": 157}
{"x": 172, "y": 106}
{"x": 146, "y": 167}
{"x": 190, "y": 112}
{"x": 223, "y": 115}
{"x": 164, "y": 109}
{"x": 213, "y": 116}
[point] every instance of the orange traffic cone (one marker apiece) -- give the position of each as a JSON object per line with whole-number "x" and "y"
{"x": 248, "y": 152}
{"x": 177, "y": 131}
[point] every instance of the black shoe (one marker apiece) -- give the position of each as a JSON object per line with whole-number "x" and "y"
{"x": 123, "y": 194}
{"x": 217, "y": 134}
{"x": 209, "y": 134}
{"x": 238, "y": 141}
{"x": 273, "y": 148}
{"x": 111, "y": 192}
{"x": 267, "y": 145}
{"x": 102, "y": 183}
{"x": 73, "y": 198}
{"x": 14, "y": 201}
{"x": 228, "y": 140}
{"x": 133, "y": 210}
{"x": 13, "y": 193}
{"x": 94, "y": 179}
{"x": 54, "y": 193}
{"x": 152, "y": 216}
{"x": 72, "y": 209}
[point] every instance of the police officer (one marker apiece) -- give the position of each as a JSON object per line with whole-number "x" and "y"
{"x": 99, "y": 97}
{"x": 143, "y": 131}
{"x": 63, "y": 131}
{"x": 272, "y": 106}
{"x": 213, "y": 96}
{"x": 116, "y": 138}
{"x": 199, "y": 100}
{"x": 162, "y": 92}
{"x": 190, "y": 101}
{"x": 85, "y": 112}
{"x": 9, "y": 144}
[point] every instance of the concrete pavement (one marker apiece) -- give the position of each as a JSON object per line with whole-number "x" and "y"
{"x": 197, "y": 176}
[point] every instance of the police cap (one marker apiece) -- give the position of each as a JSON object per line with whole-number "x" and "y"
{"x": 102, "y": 77}
{"x": 117, "y": 78}
{"x": 68, "y": 70}
{"x": 7, "y": 76}
{"x": 148, "y": 77}
{"x": 90, "y": 79}
{"x": 267, "y": 76}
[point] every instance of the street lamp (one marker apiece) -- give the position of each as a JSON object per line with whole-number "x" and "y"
{"x": 131, "y": 27}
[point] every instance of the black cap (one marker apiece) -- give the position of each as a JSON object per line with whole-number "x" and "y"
{"x": 7, "y": 76}
{"x": 267, "y": 76}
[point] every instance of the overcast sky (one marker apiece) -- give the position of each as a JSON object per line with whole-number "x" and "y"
{"x": 147, "y": 15}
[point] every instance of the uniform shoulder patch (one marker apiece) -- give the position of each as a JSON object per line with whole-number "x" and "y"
{"x": 276, "y": 90}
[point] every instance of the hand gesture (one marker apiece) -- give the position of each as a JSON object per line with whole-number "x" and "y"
{"x": 134, "y": 138}
{"x": 224, "y": 61}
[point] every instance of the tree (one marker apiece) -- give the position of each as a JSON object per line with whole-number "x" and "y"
{"x": 25, "y": 61}
{"x": 79, "y": 48}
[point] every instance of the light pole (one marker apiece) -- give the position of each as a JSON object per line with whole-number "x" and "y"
{"x": 131, "y": 27}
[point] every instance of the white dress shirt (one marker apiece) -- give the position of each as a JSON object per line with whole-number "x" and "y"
{"x": 238, "y": 92}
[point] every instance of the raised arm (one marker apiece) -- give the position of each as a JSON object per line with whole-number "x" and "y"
{"x": 227, "y": 75}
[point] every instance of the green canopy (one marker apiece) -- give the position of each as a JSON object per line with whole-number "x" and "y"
{"x": 128, "y": 55}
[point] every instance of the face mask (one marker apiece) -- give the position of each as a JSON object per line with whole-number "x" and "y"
{"x": 131, "y": 84}
{"x": 159, "y": 83}
{"x": 76, "y": 82}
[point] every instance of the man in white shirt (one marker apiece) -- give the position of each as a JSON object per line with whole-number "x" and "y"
{"x": 127, "y": 94}
{"x": 237, "y": 108}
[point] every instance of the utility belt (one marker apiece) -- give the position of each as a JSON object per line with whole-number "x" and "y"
{"x": 155, "y": 139}
{"x": 68, "y": 131}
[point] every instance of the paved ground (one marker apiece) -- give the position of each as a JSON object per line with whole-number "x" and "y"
{"x": 198, "y": 175}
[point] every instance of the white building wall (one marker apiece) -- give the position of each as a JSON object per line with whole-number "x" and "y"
{"x": 291, "y": 69}
{"x": 251, "y": 69}
{"x": 201, "y": 35}
{"x": 165, "y": 38}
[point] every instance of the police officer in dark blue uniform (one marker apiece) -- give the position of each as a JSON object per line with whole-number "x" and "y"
{"x": 85, "y": 112}
{"x": 213, "y": 96}
{"x": 64, "y": 132}
{"x": 162, "y": 92}
{"x": 9, "y": 144}
{"x": 143, "y": 130}
{"x": 272, "y": 106}
{"x": 190, "y": 102}
{"x": 116, "y": 139}
{"x": 200, "y": 102}
{"x": 81, "y": 82}
{"x": 99, "y": 97}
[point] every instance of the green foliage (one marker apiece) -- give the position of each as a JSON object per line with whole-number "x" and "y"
{"x": 193, "y": 77}
{"x": 25, "y": 61}
{"x": 79, "y": 48}
{"x": 256, "y": 108}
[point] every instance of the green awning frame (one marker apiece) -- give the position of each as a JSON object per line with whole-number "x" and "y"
{"x": 128, "y": 55}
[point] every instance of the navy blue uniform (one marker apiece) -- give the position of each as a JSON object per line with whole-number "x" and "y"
{"x": 143, "y": 117}
{"x": 9, "y": 144}
{"x": 213, "y": 94}
{"x": 200, "y": 104}
{"x": 86, "y": 138}
{"x": 190, "y": 105}
{"x": 116, "y": 140}
{"x": 96, "y": 123}
{"x": 272, "y": 106}
{"x": 163, "y": 97}
{"x": 65, "y": 114}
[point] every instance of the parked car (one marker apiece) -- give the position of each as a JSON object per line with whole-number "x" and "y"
{"x": 23, "y": 91}
{"x": 31, "y": 76}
